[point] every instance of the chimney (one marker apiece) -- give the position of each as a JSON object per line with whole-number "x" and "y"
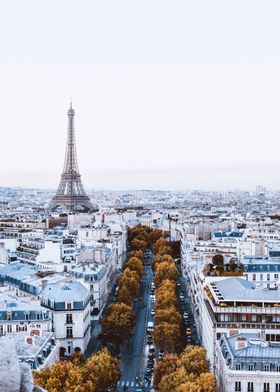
{"x": 241, "y": 342}
{"x": 44, "y": 283}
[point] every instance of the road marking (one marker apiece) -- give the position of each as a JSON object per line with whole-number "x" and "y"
{"x": 132, "y": 383}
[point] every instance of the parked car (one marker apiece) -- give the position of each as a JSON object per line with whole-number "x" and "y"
{"x": 148, "y": 374}
{"x": 151, "y": 349}
{"x": 152, "y": 297}
{"x": 152, "y": 312}
{"x": 149, "y": 339}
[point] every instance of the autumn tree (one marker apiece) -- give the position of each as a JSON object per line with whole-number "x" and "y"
{"x": 206, "y": 382}
{"x": 98, "y": 374}
{"x": 165, "y": 300}
{"x": 159, "y": 244}
{"x": 164, "y": 250}
{"x": 193, "y": 358}
{"x": 160, "y": 259}
{"x": 77, "y": 358}
{"x": 65, "y": 377}
{"x": 164, "y": 271}
{"x": 104, "y": 369}
{"x": 130, "y": 279}
{"x": 166, "y": 366}
{"x": 169, "y": 315}
{"x": 167, "y": 285}
{"x": 155, "y": 235}
{"x": 118, "y": 322}
{"x": 124, "y": 296}
{"x": 172, "y": 381}
{"x": 135, "y": 264}
{"x": 167, "y": 337}
{"x": 139, "y": 231}
{"x": 137, "y": 253}
{"x": 218, "y": 260}
{"x": 139, "y": 244}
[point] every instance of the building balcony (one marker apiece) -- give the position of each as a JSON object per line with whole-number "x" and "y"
{"x": 270, "y": 310}
{"x": 246, "y": 325}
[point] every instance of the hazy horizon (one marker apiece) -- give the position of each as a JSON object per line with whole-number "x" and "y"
{"x": 167, "y": 95}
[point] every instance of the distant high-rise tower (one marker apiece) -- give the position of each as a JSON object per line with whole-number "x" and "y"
{"x": 71, "y": 193}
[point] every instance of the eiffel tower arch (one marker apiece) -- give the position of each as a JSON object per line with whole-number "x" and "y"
{"x": 71, "y": 193}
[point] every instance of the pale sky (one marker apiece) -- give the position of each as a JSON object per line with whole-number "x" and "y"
{"x": 168, "y": 94}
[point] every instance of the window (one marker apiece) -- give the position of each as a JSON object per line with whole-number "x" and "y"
{"x": 238, "y": 366}
{"x": 237, "y": 386}
{"x": 38, "y": 316}
{"x": 268, "y": 276}
{"x": 254, "y": 276}
{"x": 86, "y": 233}
{"x": 261, "y": 276}
{"x": 69, "y": 319}
{"x": 250, "y": 387}
{"x": 69, "y": 332}
{"x": 266, "y": 387}
{"x": 266, "y": 368}
{"x": 1, "y": 330}
{"x": 9, "y": 316}
{"x": 9, "y": 328}
{"x": 251, "y": 366}
{"x": 277, "y": 387}
{"x": 68, "y": 305}
{"x": 26, "y": 316}
{"x": 277, "y": 369}
{"x": 275, "y": 276}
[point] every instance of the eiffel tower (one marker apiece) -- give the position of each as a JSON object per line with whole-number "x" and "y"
{"x": 71, "y": 193}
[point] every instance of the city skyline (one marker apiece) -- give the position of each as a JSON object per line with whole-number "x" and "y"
{"x": 167, "y": 96}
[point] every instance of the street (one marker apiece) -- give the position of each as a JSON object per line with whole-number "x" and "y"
{"x": 133, "y": 358}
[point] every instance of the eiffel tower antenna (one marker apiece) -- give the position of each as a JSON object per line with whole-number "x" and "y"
{"x": 71, "y": 193}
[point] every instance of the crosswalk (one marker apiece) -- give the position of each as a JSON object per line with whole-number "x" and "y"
{"x": 131, "y": 384}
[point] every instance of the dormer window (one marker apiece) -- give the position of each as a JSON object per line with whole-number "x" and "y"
{"x": 238, "y": 366}
{"x": 68, "y": 305}
{"x": 266, "y": 367}
{"x": 9, "y": 316}
{"x": 26, "y": 316}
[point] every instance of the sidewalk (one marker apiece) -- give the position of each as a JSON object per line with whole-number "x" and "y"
{"x": 94, "y": 343}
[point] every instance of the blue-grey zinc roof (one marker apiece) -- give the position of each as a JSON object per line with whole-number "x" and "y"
{"x": 237, "y": 289}
{"x": 65, "y": 291}
{"x": 254, "y": 351}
